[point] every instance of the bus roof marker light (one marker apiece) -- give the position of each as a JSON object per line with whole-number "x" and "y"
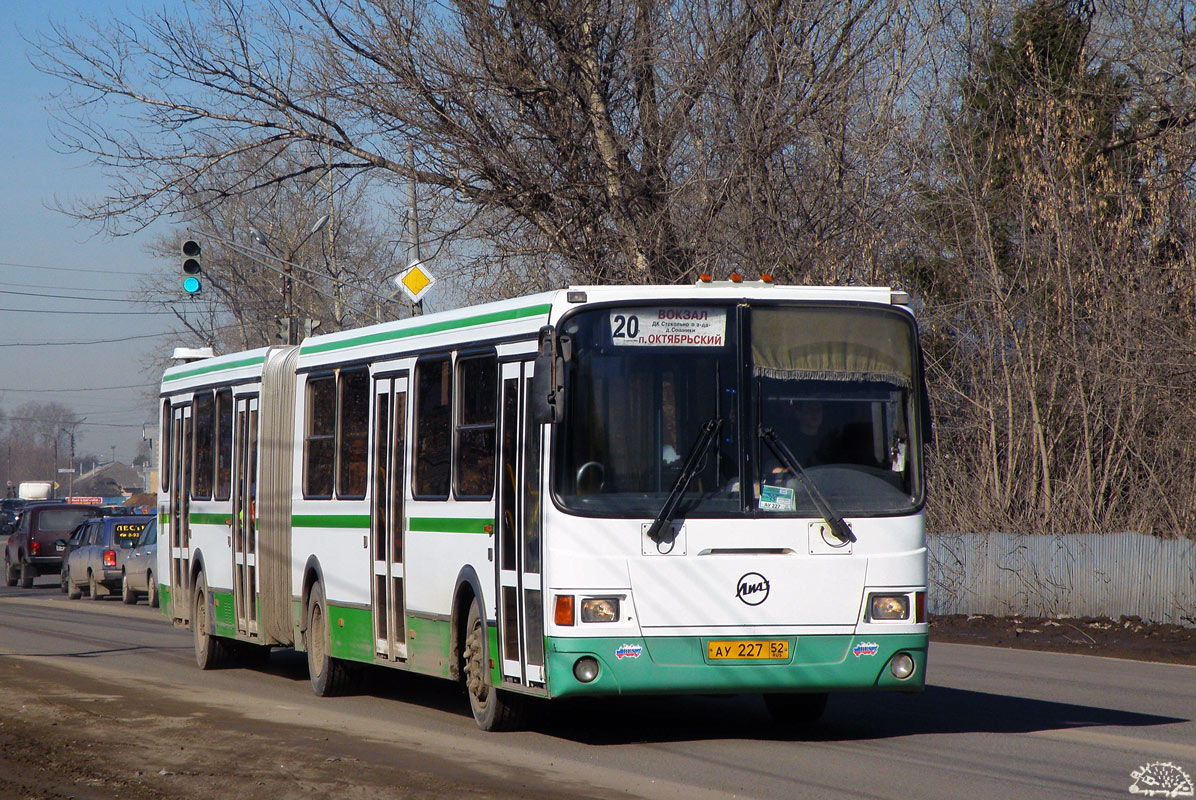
{"x": 766, "y": 277}
{"x": 575, "y": 297}
{"x": 736, "y": 277}
{"x": 705, "y": 277}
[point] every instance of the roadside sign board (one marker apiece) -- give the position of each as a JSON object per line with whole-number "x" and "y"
{"x": 416, "y": 280}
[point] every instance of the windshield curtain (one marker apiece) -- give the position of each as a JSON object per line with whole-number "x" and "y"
{"x": 836, "y": 383}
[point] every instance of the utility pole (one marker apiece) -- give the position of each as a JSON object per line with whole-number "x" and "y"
{"x": 413, "y": 255}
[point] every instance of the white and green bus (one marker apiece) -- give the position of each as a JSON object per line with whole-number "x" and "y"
{"x": 602, "y": 490}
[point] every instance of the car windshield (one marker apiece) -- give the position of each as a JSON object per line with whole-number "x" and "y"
{"x": 149, "y": 534}
{"x": 836, "y": 383}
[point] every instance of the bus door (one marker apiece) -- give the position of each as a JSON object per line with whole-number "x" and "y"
{"x": 386, "y": 518}
{"x": 520, "y": 600}
{"x": 244, "y": 519}
{"x": 182, "y": 459}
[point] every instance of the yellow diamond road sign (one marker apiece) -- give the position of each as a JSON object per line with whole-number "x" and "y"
{"x": 416, "y": 281}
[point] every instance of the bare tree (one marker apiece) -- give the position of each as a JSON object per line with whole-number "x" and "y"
{"x": 629, "y": 140}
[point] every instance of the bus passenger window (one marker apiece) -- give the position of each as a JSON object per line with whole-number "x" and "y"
{"x": 224, "y": 443}
{"x": 319, "y": 440}
{"x": 433, "y": 435}
{"x": 201, "y": 482}
{"x": 353, "y": 432}
{"x": 477, "y": 393}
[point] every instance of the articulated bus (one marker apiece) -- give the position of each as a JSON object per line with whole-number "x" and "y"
{"x": 603, "y": 490}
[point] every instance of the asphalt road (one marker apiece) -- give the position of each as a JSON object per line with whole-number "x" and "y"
{"x": 993, "y": 723}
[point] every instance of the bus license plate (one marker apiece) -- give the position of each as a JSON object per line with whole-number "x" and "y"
{"x": 753, "y": 649}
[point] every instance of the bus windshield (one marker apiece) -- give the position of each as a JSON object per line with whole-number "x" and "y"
{"x": 835, "y": 383}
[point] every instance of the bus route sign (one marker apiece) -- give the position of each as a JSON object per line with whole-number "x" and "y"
{"x": 675, "y": 326}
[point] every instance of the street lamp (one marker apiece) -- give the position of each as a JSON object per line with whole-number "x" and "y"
{"x": 287, "y": 290}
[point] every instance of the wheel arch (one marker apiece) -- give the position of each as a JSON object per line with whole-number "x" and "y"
{"x": 313, "y": 573}
{"x": 469, "y": 591}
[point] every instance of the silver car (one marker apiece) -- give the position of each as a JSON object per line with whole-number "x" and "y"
{"x": 95, "y": 562}
{"x": 138, "y": 565}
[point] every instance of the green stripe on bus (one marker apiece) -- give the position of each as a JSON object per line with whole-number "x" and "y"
{"x": 434, "y": 327}
{"x": 211, "y": 519}
{"x": 450, "y": 524}
{"x": 191, "y": 373}
{"x": 330, "y": 521}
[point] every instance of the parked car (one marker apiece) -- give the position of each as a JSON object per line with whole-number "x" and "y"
{"x": 95, "y": 562}
{"x": 10, "y": 509}
{"x": 32, "y": 548}
{"x": 70, "y": 545}
{"x": 138, "y": 566}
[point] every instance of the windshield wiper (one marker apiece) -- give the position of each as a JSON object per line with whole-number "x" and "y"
{"x": 838, "y": 526}
{"x": 705, "y": 438}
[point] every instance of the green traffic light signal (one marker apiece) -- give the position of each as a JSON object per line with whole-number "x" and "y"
{"x": 192, "y": 268}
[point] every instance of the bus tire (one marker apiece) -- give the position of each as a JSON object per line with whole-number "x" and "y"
{"x": 211, "y": 651}
{"x": 796, "y": 710}
{"x": 329, "y": 676}
{"x": 493, "y": 709}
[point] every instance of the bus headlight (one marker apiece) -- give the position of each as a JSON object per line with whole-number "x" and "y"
{"x": 600, "y": 609}
{"x": 888, "y": 606}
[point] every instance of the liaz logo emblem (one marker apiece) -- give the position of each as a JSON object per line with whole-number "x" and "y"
{"x": 752, "y": 589}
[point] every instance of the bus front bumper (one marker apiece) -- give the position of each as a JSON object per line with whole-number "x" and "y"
{"x": 683, "y": 665}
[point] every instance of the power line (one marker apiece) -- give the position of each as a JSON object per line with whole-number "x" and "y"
{"x": 73, "y": 297}
{"x": 93, "y": 341}
{"x": 72, "y": 269}
{"x": 90, "y": 313}
{"x": 88, "y": 389}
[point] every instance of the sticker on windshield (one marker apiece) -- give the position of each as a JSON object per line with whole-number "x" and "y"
{"x": 777, "y": 498}
{"x": 669, "y": 327}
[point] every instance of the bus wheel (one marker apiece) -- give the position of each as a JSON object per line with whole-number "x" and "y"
{"x": 211, "y": 652}
{"x": 329, "y": 676}
{"x": 493, "y": 709}
{"x": 795, "y": 710}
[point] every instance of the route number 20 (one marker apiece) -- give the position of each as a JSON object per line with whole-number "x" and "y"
{"x": 625, "y": 327}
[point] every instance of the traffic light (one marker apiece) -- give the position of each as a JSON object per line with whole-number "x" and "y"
{"x": 192, "y": 268}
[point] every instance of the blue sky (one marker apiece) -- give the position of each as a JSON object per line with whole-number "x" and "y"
{"x": 47, "y": 256}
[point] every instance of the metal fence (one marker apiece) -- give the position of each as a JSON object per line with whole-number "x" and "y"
{"x": 1076, "y": 575}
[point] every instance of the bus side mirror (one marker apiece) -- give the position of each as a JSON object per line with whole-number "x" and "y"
{"x": 548, "y": 391}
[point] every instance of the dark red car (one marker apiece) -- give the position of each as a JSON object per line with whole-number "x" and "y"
{"x": 32, "y": 548}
